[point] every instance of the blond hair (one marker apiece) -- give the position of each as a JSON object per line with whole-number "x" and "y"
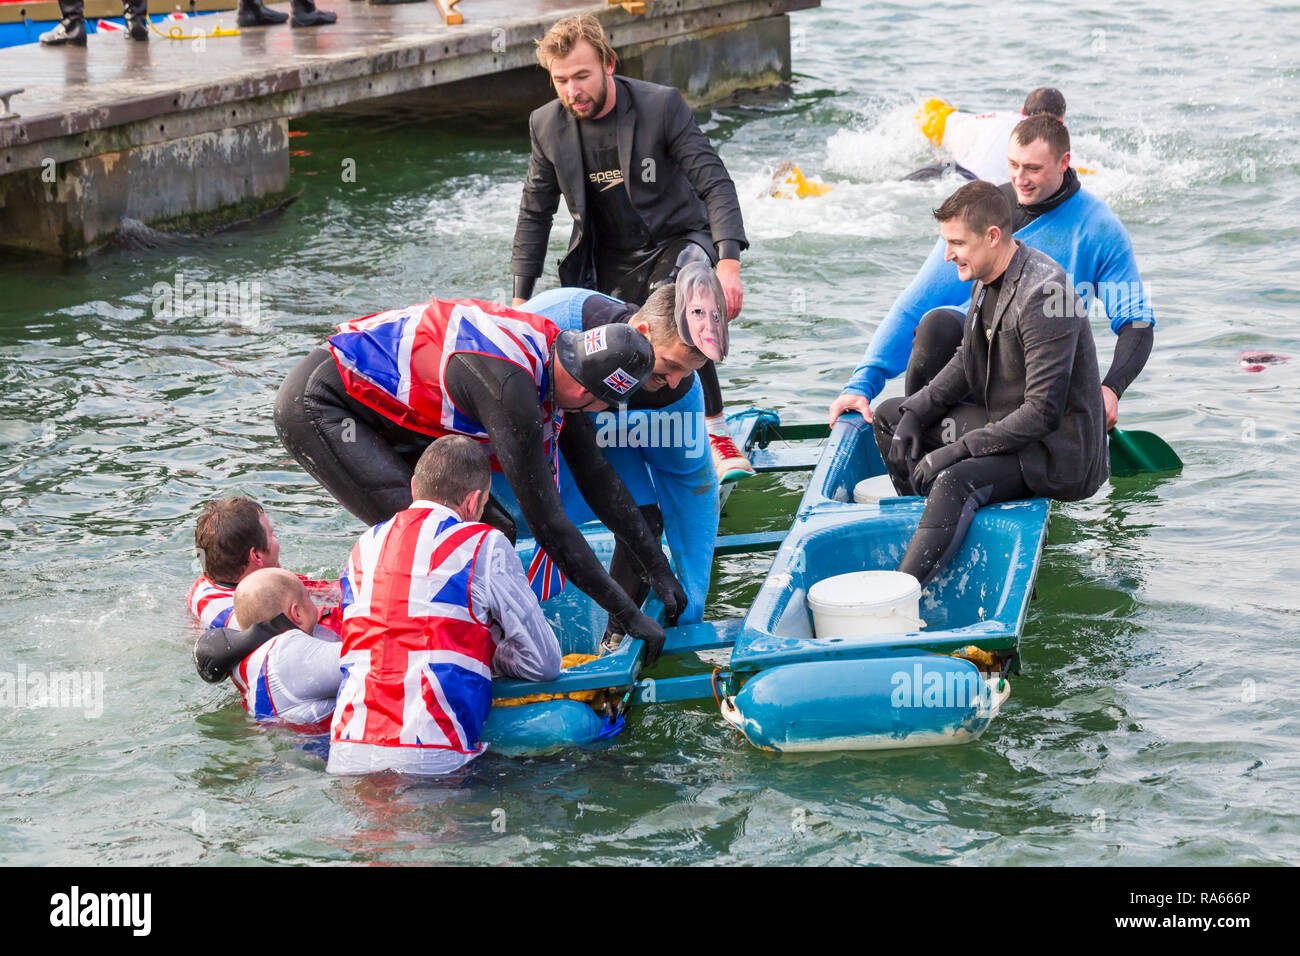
{"x": 564, "y": 36}
{"x": 268, "y": 592}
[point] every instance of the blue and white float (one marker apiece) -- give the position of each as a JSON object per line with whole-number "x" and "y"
{"x": 785, "y": 688}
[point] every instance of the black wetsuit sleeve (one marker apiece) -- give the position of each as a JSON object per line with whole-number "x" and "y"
{"x": 502, "y": 397}
{"x": 1132, "y": 350}
{"x": 608, "y": 497}
{"x": 703, "y": 168}
{"x": 219, "y": 649}
{"x": 536, "y": 212}
{"x": 524, "y": 286}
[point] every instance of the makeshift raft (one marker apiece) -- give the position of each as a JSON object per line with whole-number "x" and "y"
{"x": 784, "y": 688}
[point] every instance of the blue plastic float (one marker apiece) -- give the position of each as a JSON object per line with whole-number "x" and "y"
{"x": 784, "y": 688}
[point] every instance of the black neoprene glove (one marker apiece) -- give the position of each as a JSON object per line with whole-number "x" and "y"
{"x": 929, "y": 467}
{"x": 644, "y": 629}
{"x": 905, "y": 448}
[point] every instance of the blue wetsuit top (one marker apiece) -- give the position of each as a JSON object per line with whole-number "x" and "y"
{"x": 1081, "y": 233}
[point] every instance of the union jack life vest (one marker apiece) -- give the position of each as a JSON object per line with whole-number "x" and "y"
{"x": 265, "y": 690}
{"x": 416, "y": 656}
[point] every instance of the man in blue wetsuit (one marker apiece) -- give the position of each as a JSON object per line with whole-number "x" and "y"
{"x": 1051, "y": 213}
{"x": 658, "y": 444}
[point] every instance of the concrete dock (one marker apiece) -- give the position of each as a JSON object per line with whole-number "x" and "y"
{"x": 187, "y": 134}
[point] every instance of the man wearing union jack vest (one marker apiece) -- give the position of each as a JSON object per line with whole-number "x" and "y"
{"x": 434, "y": 603}
{"x": 358, "y": 413}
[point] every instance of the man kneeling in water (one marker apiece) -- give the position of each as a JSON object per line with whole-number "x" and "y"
{"x": 1018, "y": 410}
{"x": 282, "y": 672}
{"x": 233, "y": 538}
{"x": 434, "y": 602}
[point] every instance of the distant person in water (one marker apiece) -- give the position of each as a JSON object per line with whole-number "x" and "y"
{"x": 1017, "y": 411}
{"x": 977, "y": 142}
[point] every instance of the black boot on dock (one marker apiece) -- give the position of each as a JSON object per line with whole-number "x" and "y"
{"x": 305, "y": 14}
{"x": 136, "y": 14}
{"x": 71, "y": 29}
{"x": 254, "y": 13}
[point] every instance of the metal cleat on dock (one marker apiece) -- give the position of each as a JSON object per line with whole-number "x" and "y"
{"x": 5, "y": 112}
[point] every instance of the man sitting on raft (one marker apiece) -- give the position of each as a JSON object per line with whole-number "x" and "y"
{"x": 358, "y": 413}
{"x": 1051, "y": 213}
{"x": 233, "y": 538}
{"x": 434, "y": 603}
{"x": 659, "y": 446}
{"x": 1037, "y": 423}
{"x": 285, "y": 668}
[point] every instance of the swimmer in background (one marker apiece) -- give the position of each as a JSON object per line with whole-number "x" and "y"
{"x": 977, "y": 142}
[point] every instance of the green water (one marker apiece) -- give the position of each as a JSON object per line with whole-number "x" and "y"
{"x": 1156, "y": 719}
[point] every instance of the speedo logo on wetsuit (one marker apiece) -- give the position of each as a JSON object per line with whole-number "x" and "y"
{"x": 606, "y": 179}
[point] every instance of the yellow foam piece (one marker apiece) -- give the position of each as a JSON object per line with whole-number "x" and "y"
{"x": 789, "y": 183}
{"x": 567, "y": 662}
{"x": 932, "y": 117}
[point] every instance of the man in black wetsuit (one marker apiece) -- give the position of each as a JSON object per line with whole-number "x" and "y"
{"x": 358, "y": 414}
{"x": 647, "y": 192}
{"x": 1017, "y": 411}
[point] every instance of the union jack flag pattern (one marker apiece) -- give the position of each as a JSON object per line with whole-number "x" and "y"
{"x": 213, "y": 605}
{"x": 594, "y": 341}
{"x": 416, "y": 658}
{"x": 620, "y": 381}
{"x": 393, "y": 362}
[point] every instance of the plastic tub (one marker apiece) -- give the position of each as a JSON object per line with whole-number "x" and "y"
{"x": 870, "y": 490}
{"x": 865, "y": 602}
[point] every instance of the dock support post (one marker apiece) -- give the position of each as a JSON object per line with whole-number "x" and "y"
{"x": 182, "y": 185}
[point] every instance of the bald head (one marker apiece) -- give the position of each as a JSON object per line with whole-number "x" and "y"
{"x": 271, "y": 591}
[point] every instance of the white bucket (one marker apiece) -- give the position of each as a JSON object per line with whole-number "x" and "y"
{"x": 865, "y": 602}
{"x": 870, "y": 490}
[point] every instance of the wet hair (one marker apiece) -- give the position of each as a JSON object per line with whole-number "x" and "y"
{"x": 564, "y": 36}
{"x": 449, "y": 470}
{"x": 1047, "y": 128}
{"x": 660, "y": 314}
{"x": 225, "y": 532}
{"x": 268, "y": 592}
{"x": 1045, "y": 99}
{"x": 978, "y": 204}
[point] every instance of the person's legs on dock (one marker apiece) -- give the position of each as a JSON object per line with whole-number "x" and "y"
{"x": 254, "y": 13}
{"x": 305, "y": 14}
{"x": 71, "y": 27}
{"x": 136, "y": 14}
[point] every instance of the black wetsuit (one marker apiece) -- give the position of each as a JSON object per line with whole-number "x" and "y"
{"x": 366, "y": 462}
{"x": 631, "y": 264}
{"x": 939, "y": 332}
{"x": 961, "y": 489}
